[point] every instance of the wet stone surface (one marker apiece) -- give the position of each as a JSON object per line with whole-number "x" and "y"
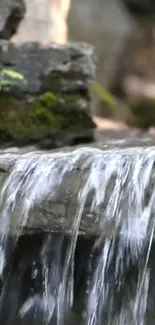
{"x": 24, "y": 279}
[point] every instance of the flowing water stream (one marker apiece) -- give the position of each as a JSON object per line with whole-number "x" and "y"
{"x": 119, "y": 188}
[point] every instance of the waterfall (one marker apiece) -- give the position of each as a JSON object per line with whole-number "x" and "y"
{"x": 117, "y": 188}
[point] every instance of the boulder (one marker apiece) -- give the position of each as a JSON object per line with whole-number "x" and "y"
{"x": 11, "y": 13}
{"x": 44, "y": 95}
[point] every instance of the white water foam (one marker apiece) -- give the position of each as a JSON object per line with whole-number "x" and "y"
{"x": 128, "y": 207}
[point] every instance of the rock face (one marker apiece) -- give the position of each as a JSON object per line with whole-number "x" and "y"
{"x": 11, "y": 13}
{"x": 44, "y": 95}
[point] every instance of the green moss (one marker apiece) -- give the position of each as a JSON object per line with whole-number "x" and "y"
{"x": 49, "y": 114}
{"x": 69, "y": 101}
{"x": 75, "y": 119}
{"x": 48, "y": 99}
{"x": 19, "y": 120}
{"x": 142, "y": 113}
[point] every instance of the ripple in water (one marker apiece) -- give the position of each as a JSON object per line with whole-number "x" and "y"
{"x": 120, "y": 188}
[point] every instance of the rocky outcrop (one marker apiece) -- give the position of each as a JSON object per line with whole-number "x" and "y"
{"x": 44, "y": 95}
{"x": 58, "y": 212}
{"x": 11, "y": 13}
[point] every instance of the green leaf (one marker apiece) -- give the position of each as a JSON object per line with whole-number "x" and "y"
{"x": 12, "y": 74}
{"x": 6, "y": 83}
{"x": 104, "y": 94}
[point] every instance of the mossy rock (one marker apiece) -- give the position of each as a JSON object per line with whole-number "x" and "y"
{"x": 49, "y": 115}
{"x": 142, "y": 113}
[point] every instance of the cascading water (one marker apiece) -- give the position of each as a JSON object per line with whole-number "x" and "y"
{"x": 119, "y": 188}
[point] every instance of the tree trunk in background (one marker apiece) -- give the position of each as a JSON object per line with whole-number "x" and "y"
{"x": 45, "y": 21}
{"x": 59, "y": 10}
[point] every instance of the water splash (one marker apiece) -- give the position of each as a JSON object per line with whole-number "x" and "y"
{"x": 119, "y": 186}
